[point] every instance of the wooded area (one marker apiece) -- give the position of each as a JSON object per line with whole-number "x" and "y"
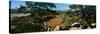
{"x": 42, "y": 18}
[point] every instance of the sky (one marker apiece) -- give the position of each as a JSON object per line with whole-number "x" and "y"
{"x": 59, "y": 6}
{"x": 15, "y": 4}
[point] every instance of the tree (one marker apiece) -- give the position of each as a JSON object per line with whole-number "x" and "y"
{"x": 22, "y": 9}
{"x": 40, "y": 5}
{"x": 41, "y": 8}
{"x": 88, "y": 12}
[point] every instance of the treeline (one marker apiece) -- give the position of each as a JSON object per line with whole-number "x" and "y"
{"x": 21, "y": 9}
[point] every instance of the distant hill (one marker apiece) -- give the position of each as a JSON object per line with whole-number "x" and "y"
{"x": 16, "y": 11}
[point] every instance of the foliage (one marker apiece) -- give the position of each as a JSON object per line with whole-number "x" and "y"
{"x": 40, "y": 5}
{"x": 88, "y": 12}
{"x": 42, "y": 12}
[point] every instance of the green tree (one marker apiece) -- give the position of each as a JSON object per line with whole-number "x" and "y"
{"x": 22, "y": 9}
{"x": 40, "y": 5}
{"x": 88, "y": 12}
{"x": 41, "y": 8}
